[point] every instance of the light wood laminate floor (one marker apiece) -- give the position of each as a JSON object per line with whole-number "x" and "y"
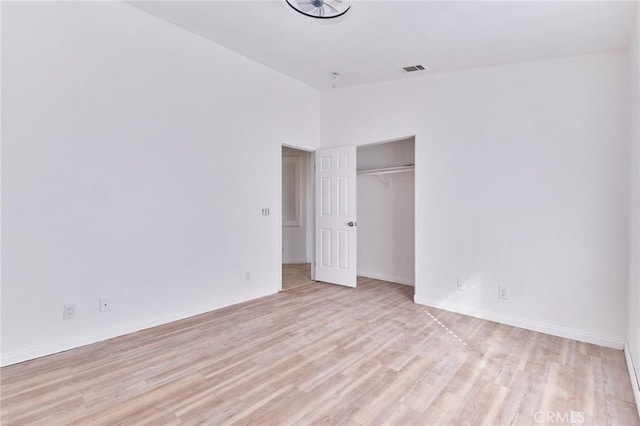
{"x": 324, "y": 354}
{"x": 296, "y": 275}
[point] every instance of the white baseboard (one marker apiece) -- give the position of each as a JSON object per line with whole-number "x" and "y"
{"x": 542, "y": 327}
{"x": 633, "y": 376}
{"x": 384, "y": 277}
{"x": 52, "y": 348}
{"x": 294, "y": 261}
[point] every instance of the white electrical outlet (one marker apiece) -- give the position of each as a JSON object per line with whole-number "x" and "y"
{"x": 68, "y": 312}
{"x": 247, "y": 276}
{"x": 105, "y": 304}
{"x": 461, "y": 286}
{"x": 503, "y": 293}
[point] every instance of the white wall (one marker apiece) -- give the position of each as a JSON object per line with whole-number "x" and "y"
{"x": 522, "y": 181}
{"x": 633, "y": 336}
{"x": 296, "y": 240}
{"x": 136, "y": 160}
{"x": 386, "y": 214}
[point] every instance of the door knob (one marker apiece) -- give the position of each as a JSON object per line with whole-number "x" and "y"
{"x": 352, "y": 224}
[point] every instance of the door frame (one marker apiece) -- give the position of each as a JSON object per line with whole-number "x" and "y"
{"x": 311, "y": 196}
{"x": 416, "y": 217}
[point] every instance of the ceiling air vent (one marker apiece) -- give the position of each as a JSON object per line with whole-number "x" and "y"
{"x": 413, "y": 68}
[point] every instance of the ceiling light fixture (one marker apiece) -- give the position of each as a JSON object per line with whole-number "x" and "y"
{"x": 322, "y": 9}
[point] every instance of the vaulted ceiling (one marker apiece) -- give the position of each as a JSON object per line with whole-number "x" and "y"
{"x": 375, "y": 39}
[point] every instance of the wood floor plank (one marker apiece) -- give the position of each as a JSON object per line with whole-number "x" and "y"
{"x": 323, "y": 354}
{"x": 296, "y": 275}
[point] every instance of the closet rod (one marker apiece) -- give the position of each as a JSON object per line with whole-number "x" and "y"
{"x": 386, "y": 170}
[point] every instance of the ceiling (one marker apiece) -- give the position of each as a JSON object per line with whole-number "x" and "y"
{"x": 375, "y": 39}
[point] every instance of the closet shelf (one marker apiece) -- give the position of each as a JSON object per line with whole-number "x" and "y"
{"x": 387, "y": 170}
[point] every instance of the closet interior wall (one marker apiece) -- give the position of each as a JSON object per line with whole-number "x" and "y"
{"x": 386, "y": 224}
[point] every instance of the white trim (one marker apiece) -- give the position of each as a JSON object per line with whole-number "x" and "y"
{"x": 52, "y": 348}
{"x": 633, "y": 376}
{"x": 384, "y": 277}
{"x": 279, "y": 219}
{"x": 542, "y": 327}
{"x": 294, "y": 261}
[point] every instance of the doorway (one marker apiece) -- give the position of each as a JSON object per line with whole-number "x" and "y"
{"x": 297, "y": 218}
{"x": 319, "y": 212}
{"x": 386, "y": 211}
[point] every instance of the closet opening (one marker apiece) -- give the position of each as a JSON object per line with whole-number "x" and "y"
{"x": 386, "y": 211}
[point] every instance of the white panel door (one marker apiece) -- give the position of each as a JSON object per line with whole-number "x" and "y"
{"x": 336, "y": 215}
